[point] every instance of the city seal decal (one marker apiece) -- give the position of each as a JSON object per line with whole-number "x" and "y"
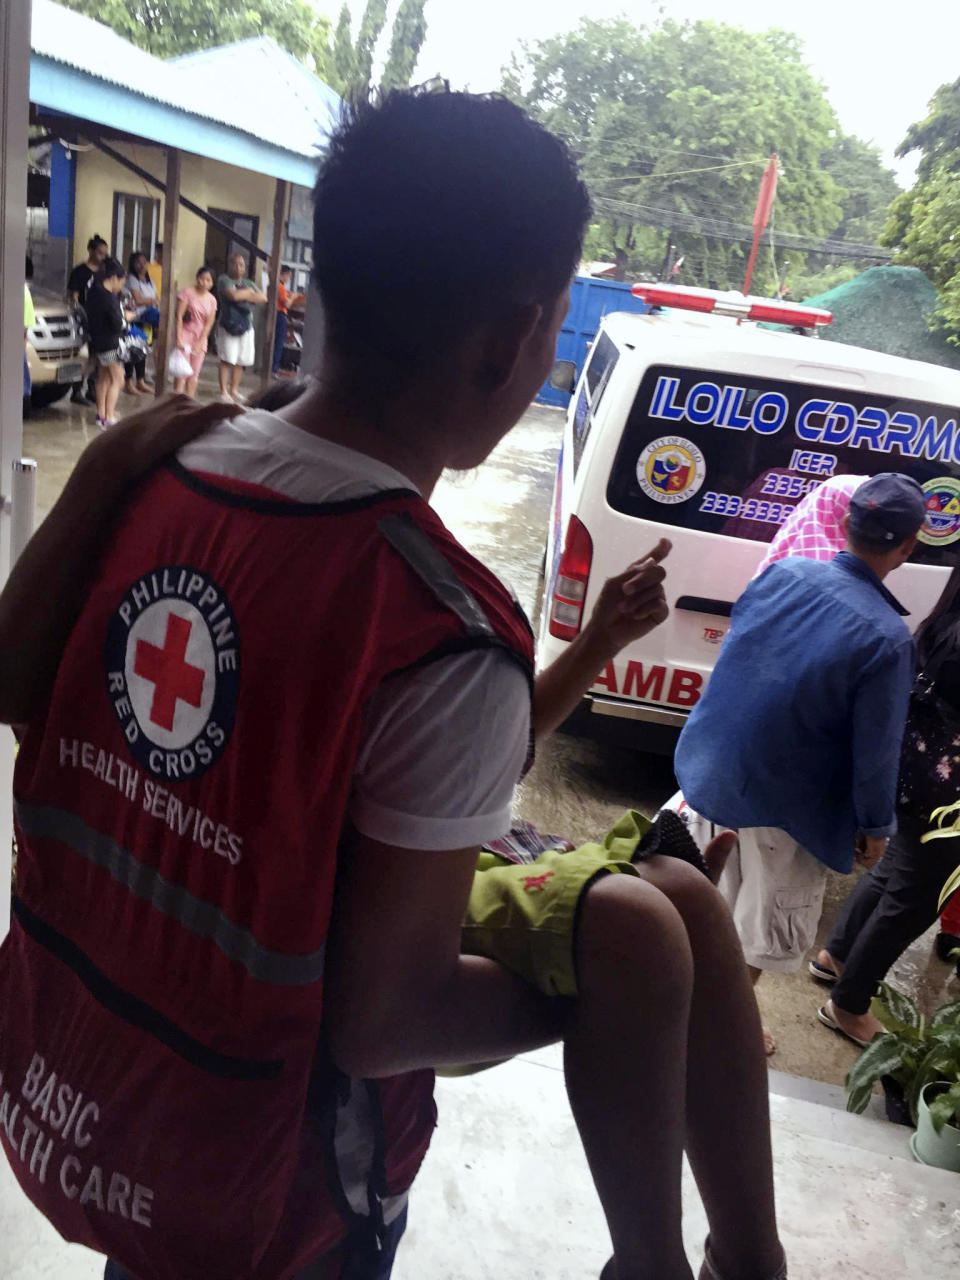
{"x": 173, "y": 671}
{"x": 671, "y": 469}
{"x": 941, "y": 524}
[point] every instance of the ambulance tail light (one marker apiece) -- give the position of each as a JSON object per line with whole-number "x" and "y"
{"x": 738, "y": 307}
{"x": 573, "y": 574}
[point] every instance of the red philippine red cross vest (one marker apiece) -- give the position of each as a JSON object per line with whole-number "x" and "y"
{"x": 163, "y": 1096}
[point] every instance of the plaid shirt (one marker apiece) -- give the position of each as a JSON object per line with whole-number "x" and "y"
{"x": 814, "y": 529}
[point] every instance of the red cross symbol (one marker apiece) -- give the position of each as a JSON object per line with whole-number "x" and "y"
{"x": 173, "y": 677}
{"x": 531, "y": 883}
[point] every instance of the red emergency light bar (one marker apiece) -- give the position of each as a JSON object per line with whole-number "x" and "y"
{"x": 739, "y": 308}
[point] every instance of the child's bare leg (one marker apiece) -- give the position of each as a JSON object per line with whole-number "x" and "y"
{"x": 728, "y": 1119}
{"x": 625, "y": 1060}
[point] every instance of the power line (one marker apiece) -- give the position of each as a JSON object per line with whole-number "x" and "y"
{"x": 679, "y": 173}
{"x": 726, "y": 229}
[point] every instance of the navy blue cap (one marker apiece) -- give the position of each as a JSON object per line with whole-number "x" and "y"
{"x": 887, "y": 508}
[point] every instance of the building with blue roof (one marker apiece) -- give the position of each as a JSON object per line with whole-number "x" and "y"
{"x": 239, "y": 129}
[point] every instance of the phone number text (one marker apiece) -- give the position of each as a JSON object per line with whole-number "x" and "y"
{"x": 730, "y": 504}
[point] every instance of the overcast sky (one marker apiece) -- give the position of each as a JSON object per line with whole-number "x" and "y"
{"x": 879, "y": 70}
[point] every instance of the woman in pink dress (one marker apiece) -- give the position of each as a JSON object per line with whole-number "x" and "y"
{"x": 196, "y": 312}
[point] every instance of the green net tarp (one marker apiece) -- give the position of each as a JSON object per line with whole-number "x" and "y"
{"x": 887, "y": 309}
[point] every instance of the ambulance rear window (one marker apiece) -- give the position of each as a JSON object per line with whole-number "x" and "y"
{"x": 732, "y": 454}
{"x": 603, "y": 358}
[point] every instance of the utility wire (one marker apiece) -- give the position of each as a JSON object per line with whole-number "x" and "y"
{"x": 679, "y": 173}
{"x": 727, "y": 229}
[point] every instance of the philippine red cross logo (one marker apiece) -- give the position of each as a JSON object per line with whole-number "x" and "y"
{"x": 173, "y": 664}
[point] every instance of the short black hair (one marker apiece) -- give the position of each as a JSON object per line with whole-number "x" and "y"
{"x": 110, "y": 268}
{"x": 205, "y": 269}
{"x": 877, "y": 546}
{"x": 436, "y": 212}
{"x": 286, "y": 270}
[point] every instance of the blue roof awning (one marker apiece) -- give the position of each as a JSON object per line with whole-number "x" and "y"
{"x": 68, "y": 91}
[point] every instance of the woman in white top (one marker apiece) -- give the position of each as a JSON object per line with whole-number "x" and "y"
{"x": 143, "y": 291}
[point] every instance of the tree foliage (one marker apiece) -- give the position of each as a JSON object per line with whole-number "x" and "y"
{"x": 371, "y": 24}
{"x": 867, "y": 186}
{"x": 409, "y": 33}
{"x": 170, "y": 27}
{"x": 353, "y": 59}
{"x": 682, "y": 118}
{"x": 924, "y": 223}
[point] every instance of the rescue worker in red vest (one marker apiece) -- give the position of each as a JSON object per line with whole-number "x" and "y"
{"x": 272, "y": 709}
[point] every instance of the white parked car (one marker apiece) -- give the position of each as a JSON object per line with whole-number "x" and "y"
{"x": 708, "y": 431}
{"x": 56, "y": 349}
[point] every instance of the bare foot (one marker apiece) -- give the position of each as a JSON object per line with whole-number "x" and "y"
{"x": 130, "y": 389}
{"x": 827, "y": 960}
{"x": 769, "y": 1044}
{"x": 717, "y": 852}
{"x": 861, "y": 1026}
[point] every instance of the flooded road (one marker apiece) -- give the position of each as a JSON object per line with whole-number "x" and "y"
{"x": 500, "y": 512}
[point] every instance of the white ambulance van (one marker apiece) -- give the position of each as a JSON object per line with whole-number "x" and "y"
{"x": 694, "y": 424}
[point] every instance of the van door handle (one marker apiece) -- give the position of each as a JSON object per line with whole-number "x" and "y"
{"x": 704, "y": 604}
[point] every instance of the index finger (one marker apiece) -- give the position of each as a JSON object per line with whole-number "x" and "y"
{"x": 657, "y": 553}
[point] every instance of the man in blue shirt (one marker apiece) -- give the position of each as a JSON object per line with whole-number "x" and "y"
{"x": 796, "y": 740}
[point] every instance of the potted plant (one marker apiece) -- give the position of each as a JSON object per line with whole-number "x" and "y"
{"x": 923, "y": 1056}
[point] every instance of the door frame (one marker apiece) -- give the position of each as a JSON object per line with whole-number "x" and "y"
{"x": 14, "y": 133}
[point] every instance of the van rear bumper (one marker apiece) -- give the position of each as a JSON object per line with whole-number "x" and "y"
{"x": 624, "y": 710}
{"x": 627, "y": 724}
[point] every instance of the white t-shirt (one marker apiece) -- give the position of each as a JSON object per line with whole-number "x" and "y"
{"x": 145, "y": 288}
{"x": 443, "y": 745}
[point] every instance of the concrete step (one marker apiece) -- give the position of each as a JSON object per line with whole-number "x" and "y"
{"x": 505, "y": 1193}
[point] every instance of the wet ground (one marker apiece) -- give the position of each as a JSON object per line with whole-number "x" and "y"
{"x": 577, "y": 788}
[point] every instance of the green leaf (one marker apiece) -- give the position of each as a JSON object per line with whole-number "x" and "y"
{"x": 946, "y": 1015}
{"x": 945, "y": 1108}
{"x": 934, "y": 1065}
{"x": 895, "y": 1010}
{"x": 882, "y": 1056}
{"x": 949, "y": 889}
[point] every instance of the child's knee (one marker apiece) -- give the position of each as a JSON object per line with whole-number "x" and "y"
{"x": 698, "y": 902}
{"x": 629, "y": 932}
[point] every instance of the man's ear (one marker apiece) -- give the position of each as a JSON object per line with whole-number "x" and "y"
{"x": 909, "y": 546}
{"x": 845, "y": 525}
{"x": 503, "y": 343}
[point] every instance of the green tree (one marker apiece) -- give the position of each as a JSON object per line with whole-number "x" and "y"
{"x": 867, "y": 188}
{"x": 673, "y": 125}
{"x": 344, "y": 60}
{"x": 371, "y": 24}
{"x": 924, "y": 223}
{"x": 170, "y": 27}
{"x": 353, "y": 59}
{"x": 409, "y": 32}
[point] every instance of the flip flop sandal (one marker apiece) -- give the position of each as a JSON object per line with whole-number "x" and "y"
{"x": 669, "y": 837}
{"x": 828, "y": 1020}
{"x": 822, "y": 972}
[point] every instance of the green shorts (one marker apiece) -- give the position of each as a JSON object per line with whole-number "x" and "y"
{"x": 525, "y": 916}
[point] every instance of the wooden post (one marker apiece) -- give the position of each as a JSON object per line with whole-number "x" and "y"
{"x": 167, "y": 338}
{"x": 270, "y": 328}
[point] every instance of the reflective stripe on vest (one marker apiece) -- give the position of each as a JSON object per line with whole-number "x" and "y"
{"x": 44, "y": 822}
{"x": 428, "y": 563}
